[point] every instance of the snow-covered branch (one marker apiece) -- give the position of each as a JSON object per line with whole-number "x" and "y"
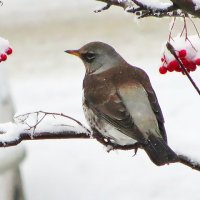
{"x": 47, "y": 125}
{"x": 12, "y": 133}
{"x": 190, "y": 6}
{"x": 38, "y": 126}
{"x": 147, "y": 8}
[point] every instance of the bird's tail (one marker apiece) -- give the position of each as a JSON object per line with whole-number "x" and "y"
{"x": 159, "y": 152}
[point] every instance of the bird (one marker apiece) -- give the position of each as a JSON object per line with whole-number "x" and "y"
{"x": 120, "y": 104}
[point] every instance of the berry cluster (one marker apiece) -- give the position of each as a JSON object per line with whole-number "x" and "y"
{"x": 170, "y": 66}
{"x": 188, "y": 52}
{"x": 3, "y": 56}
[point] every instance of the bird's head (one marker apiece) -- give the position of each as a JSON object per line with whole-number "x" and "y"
{"x": 97, "y": 56}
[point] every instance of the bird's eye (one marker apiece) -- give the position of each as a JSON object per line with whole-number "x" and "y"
{"x": 89, "y": 57}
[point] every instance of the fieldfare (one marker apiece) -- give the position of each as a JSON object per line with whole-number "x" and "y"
{"x": 120, "y": 104}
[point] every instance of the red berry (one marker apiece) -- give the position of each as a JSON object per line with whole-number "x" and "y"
{"x": 188, "y": 70}
{"x": 185, "y": 62}
{"x": 172, "y": 66}
{"x": 182, "y": 53}
{"x": 197, "y": 61}
{"x": 178, "y": 69}
{"x": 9, "y": 51}
{"x": 192, "y": 66}
{"x": 3, "y": 57}
{"x": 163, "y": 70}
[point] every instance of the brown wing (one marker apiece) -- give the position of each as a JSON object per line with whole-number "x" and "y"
{"x": 144, "y": 79}
{"x": 114, "y": 112}
{"x": 129, "y": 111}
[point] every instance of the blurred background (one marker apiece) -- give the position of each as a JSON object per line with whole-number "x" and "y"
{"x": 43, "y": 77}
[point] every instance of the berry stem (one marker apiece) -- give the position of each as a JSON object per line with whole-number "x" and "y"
{"x": 172, "y": 27}
{"x": 172, "y": 51}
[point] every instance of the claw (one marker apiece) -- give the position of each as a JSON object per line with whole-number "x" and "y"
{"x": 136, "y": 147}
{"x": 135, "y": 151}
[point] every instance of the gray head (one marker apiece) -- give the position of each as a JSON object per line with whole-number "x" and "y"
{"x": 97, "y": 57}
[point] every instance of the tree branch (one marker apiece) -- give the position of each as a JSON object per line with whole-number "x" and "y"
{"x": 33, "y": 126}
{"x": 185, "y": 160}
{"x": 124, "y": 4}
{"x": 188, "y": 6}
{"x": 152, "y": 9}
{"x": 143, "y": 10}
{"x": 12, "y": 134}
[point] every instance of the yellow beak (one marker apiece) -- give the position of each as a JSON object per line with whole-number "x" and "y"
{"x": 73, "y": 52}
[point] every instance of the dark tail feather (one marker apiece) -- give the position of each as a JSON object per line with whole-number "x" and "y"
{"x": 159, "y": 152}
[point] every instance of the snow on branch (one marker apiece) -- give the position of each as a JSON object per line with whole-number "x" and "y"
{"x": 143, "y": 8}
{"x": 47, "y": 125}
{"x": 147, "y": 8}
{"x": 39, "y": 125}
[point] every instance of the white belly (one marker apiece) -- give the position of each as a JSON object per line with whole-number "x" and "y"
{"x": 107, "y": 130}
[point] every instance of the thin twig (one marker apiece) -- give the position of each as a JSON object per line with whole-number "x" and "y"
{"x": 53, "y": 114}
{"x": 194, "y": 26}
{"x": 184, "y": 27}
{"x": 170, "y": 33}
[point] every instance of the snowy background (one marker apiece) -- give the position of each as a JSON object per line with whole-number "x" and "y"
{"x": 43, "y": 77}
